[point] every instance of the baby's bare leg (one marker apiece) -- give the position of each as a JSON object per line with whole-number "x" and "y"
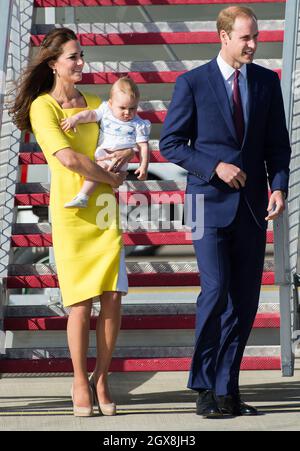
{"x": 89, "y": 186}
{"x": 82, "y": 198}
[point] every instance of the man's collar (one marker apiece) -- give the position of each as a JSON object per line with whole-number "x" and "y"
{"x": 227, "y": 70}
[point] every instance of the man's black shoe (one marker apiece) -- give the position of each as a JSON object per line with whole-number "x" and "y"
{"x": 233, "y": 405}
{"x": 207, "y": 405}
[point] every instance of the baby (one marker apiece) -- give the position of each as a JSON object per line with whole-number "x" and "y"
{"x": 120, "y": 128}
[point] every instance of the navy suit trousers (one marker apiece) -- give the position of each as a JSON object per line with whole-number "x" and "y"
{"x": 230, "y": 261}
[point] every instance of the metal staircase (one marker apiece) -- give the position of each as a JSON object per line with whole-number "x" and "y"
{"x": 153, "y": 41}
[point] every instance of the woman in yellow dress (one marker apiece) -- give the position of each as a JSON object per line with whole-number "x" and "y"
{"x": 89, "y": 258}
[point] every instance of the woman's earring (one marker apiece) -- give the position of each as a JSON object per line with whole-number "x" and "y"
{"x": 54, "y": 71}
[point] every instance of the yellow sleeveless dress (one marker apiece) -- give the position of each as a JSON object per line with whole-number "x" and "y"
{"x": 88, "y": 258}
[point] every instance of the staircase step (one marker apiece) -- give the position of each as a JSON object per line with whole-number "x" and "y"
{"x": 154, "y": 33}
{"x": 27, "y": 158}
{"x": 135, "y": 352}
{"x": 132, "y": 322}
{"x": 160, "y": 66}
{"x": 129, "y": 185}
{"x": 149, "y": 185}
{"x": 29, "y": 235}
{"x": 153, "y": 191}
{"x": 151, "y": 72}
{"x": 163, "y": 307}
{"x": 32, "y": 154}
{"x": 143, "y": 274}
{"x": 158, "y": 336}
{"x": 138, "y": 77}
{"x": 89, "y": 3}
{"x": 184, "y": 38}
{"x": 169, "y": 342}
{"x": 151, "y": 27}
{"x": 38, "y": 193}
{"x": 64, "y": 365}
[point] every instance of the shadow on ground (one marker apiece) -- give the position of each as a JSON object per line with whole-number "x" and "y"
{"x": 270, "y": 398}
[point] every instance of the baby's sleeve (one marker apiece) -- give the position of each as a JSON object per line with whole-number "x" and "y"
{"x": 100, "y": 111}
{"x": 143, "y": 128}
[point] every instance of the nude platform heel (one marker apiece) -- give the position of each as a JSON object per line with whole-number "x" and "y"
{"x": 82, "y": 411}
{"x": 104, "y": 409}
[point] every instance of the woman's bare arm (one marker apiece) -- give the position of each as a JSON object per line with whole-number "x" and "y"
{"x": 118, "y": 158}
{"x": 82, "y": 165}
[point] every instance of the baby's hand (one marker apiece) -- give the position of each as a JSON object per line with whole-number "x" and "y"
{"x": 67, "y": 124}
{"x": 141, "y": 173}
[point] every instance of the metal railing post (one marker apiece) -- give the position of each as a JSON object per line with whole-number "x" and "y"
{"x": 286, "y": 241}
{"x": 5, "y": 23}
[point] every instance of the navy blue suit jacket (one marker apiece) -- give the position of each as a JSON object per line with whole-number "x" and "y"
{"x": 199, "y": 132}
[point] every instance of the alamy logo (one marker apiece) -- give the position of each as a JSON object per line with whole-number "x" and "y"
{"x": 163, "y": 211}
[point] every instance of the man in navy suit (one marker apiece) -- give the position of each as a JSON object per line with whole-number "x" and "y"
{"x": 226, "y": 127}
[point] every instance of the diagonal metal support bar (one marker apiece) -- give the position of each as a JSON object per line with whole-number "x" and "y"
{"x": 15, "y": 25}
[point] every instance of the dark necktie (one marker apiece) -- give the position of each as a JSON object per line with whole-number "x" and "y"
{"x": 238, "y": 115}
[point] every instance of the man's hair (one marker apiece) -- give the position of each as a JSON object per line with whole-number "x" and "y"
{"x": 227, "y": 17}
{"x": 127, "y": 86}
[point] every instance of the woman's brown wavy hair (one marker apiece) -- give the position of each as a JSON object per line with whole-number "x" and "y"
{"x": 38, "y": 78}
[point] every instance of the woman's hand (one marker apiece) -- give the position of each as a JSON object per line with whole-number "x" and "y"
{"x": 67, "y": 124}
{"x": 83, "y": 165}
{"x": 118, "y": 159}
{"x": 117, "y": 178}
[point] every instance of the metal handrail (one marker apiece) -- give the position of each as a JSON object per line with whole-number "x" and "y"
{"x": 284, "y": 244}
{"x": 5, "y": 25}
{"x": 15, "y": 25}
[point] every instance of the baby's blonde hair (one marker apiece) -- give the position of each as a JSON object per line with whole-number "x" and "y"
{"x": 127, "y": 86}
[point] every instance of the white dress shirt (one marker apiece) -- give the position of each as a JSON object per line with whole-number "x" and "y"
{"x": 228, "y": 75}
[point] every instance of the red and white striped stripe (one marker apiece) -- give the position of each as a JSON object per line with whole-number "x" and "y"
{"x": 151, "y": 72}
{"x": 37, "y": 238}
{"x": 140, "y": 274}
{"x": 90, "y": 3}
{"x": 157, "y": 33}
{"x": 157, "y": 27}
{"x": 63, "y": 365}
{"x": 153, "y": 322}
